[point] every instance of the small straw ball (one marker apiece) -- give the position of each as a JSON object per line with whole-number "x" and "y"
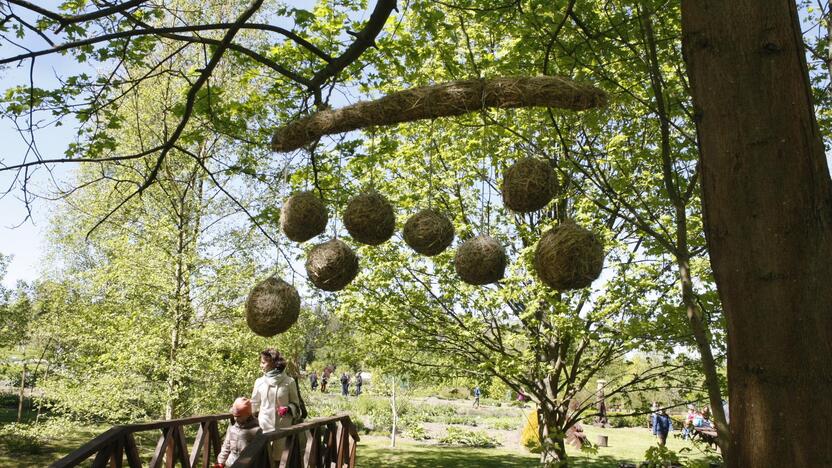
{"x": 428, "y": 232}
{"x": 272, "y": 307}
{"x": 331, "y": 266}
{"x": 568, "y": 257}
{"x": 303, "y": 216}
{"x": 480, "y": 260}
{"x": 369, "y": 218}
{"x": 529, "y": 185}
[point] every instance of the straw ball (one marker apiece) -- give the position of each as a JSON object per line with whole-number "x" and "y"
{"x": 369, "y": 218}
{"x": 480, "y": 260}
{"x": 568, "y": 257}
{"x": 529, "y": 185}
{"x": 303, "y": 216}
{"x": 428, "y": 232}
{"x": 331, "y": 266}
{"x": 272, "y": 307}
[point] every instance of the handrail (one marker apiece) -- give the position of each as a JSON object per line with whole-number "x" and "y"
{"x": 118, "y": 441}
{"x": 326, "y": 441}
{"x": 329, "y": 441}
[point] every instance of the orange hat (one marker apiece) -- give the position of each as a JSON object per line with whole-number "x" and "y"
{"x": 241, "y": 407}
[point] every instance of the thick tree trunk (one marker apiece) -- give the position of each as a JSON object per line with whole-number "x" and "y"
{"x": 551, "y": 437}
{"x": 768, "y": 213}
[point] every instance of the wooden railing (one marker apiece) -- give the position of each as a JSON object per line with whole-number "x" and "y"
{"x": 318, "y": 443}
{"x": 321, "y": 442}
{"x": 111, "y": 447}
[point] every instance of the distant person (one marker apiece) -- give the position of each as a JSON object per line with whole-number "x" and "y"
{"x": 661, "y": 426}
{"x": 687, "y": 425}
{"x": 239, "y": 434}
{"x": 345, "y": 384}
{"x": 477, "y": 394}
{"x": 313, "y": 380}
{"x": 359, "y": 381}
{"x": 325, "y": 378}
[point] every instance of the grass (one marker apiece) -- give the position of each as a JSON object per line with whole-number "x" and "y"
{"x": 375, "y": 451}
{"x": 625, "y": 444}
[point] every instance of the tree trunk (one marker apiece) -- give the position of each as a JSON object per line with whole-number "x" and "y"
{"x": 395, "y": 414}
{"x": 551, "y": 436}
{"x": 767, "y": 203}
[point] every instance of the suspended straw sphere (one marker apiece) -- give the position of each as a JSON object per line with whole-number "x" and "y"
{"x": 428, "y": 232}
{"x": 303, "y": 216}
{"x": 272, "y": 307}
{"x": 480, "y": 260}
{"x": 568, "y": 257}
{"x": 529, "y": 185}
{"x": 331, "y": 266}
{"x": 369, "y": 218}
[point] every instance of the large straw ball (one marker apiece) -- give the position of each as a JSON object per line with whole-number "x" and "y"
{"x": 331, "y": 266}
{"x": 568, "y": 257}
{"x": 272, "y": 307}
{"x": 480, "y": 260}
{"x": 529, "y": 185}
{"x": 369, "y": 218}
{"x": 303, "y": 217}
{"x": 428, "y": 232}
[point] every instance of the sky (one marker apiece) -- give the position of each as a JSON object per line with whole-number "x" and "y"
{"x": 22, "y": 238}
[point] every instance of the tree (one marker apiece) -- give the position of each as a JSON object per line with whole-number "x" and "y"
{"x": 767, "y": 204}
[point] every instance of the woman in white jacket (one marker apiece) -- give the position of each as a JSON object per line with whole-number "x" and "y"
{"x": 275, "y": 398}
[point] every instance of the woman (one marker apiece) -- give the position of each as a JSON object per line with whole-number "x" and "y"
{"x": 275, "y": 398}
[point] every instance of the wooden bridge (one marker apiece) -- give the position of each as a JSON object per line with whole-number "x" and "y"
{"x": 327, "y": 442}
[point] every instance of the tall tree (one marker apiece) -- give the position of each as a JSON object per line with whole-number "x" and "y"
{"x": 768, "y": 219}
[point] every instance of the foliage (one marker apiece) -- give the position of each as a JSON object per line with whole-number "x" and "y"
{"x": 30, "y": 438}
{"x": 417, "y": 432}
{"x": 468, "y": 438}
{"x": 660, "y": 456}
{"x": 530, "y": 435}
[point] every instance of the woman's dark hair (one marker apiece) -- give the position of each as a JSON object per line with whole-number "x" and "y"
{"x": 275, "y": 358}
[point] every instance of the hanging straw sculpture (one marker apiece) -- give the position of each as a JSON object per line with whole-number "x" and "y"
{"x": 481, "y": 260}
{"x": 331, "y": 266}
{"x": 272, "y": 307}
{"x": 428, "y": 232}
{"x": 369, "y": 218}
{"x": 529, "y": 185}
{"x": 568, "y": 257}
{"x": 303, "y": 217}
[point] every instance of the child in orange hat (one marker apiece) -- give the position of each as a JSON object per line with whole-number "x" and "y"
{"x": 239, "y": 434}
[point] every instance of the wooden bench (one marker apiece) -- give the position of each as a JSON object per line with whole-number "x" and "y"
{"x": 705, "y": 434}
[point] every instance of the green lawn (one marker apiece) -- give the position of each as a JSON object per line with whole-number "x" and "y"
{"x": 626, "y": 444}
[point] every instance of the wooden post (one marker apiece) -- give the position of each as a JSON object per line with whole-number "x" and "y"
{"x": 20, "y": 395}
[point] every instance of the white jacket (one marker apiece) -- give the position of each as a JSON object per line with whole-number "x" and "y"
{"x": 269, "y": 394}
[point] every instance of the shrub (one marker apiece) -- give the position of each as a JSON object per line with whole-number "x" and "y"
{"x": 31, "y": 438}
{"x": 658, "y": 457}
{"x": 619, "y": 420}
{"x": 459, "y": 436}
{"x": 530, "y": 438}
{"x": 453, "y": 393}
{"x": 503, "y": 424}
{"x": 418, "y": 433}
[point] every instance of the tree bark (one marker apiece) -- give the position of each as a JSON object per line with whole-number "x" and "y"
{"x": 767, "y": 202}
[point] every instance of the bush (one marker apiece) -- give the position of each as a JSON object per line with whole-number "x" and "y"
{"x": 530, "y": 438}
{"x": 418, "y": 433}
{"x": 31, "y": 438}
{"x": 502, "y": 424}
{"x": 459, "y": 436}
{"x": 618, "y": 420}
{"x": 453, "y": 393}
{"x": 659, "y": 457}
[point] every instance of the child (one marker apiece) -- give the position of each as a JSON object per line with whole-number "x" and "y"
{"x": 661, "y": 426}
{"x": 239, "y": 434}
